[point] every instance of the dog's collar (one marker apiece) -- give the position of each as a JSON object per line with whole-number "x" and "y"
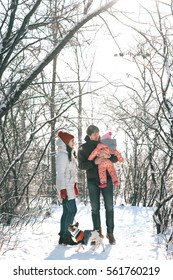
{"x": 75, "y": 232}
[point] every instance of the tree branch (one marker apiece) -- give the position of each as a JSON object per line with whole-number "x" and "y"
{"x": 15, "y": 92}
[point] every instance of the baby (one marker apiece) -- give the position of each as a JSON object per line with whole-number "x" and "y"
{"x": 107, "y": 145}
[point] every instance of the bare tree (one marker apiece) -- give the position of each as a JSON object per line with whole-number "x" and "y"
{"x": 152, "y": 87}
{"x": 24, "y": 101}
{"x": 13, "y": 93}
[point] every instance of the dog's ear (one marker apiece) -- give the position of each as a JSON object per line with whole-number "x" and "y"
{"x": 76, "y": 224}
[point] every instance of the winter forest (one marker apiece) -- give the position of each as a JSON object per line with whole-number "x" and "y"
{"x": 66, "y": 64}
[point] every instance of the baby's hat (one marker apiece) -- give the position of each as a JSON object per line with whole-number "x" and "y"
{"x": 107, "y": 136}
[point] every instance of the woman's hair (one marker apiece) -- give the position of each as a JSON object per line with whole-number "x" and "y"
{"x": 69, "y": 151}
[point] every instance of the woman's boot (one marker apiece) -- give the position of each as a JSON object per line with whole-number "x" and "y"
{"x": 66, "y": 239}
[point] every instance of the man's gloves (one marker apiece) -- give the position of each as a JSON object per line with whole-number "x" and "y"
{"x": 63, "y": 193}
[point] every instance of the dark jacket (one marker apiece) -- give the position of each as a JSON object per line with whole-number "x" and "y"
{"x": 84, "y": 164}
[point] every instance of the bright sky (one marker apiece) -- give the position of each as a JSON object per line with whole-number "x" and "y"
{"x": 104, "y": 47}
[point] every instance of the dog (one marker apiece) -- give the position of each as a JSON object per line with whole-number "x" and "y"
{"x": 83, "y": 237}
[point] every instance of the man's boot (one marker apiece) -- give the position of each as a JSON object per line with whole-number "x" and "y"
{"x": 100, "y": 233}
{"x": 111, "y": 238}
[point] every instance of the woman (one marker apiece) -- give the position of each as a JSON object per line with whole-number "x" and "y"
{"x": 66, "y": 177}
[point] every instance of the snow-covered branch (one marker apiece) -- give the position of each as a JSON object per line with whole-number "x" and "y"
{"x": 19, "y": 156}
{"x": 14, "y": 94}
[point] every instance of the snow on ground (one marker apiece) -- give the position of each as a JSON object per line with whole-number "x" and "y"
{"x": 135, "y": 237}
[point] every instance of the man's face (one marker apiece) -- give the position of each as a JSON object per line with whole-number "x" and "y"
{"x": 94, "y": 136}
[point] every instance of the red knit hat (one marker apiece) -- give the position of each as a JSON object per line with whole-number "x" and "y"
{"x": 65, "y": 137}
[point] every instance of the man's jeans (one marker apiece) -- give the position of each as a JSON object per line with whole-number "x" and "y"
{"x": 69, "y": 212}
{"x": 94, "y": 193}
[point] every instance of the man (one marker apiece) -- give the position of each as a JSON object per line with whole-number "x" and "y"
{"x": 92, "y": 139}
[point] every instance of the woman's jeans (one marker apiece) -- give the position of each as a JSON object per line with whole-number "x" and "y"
{"x": 94, "y": 194}
{"x": 69, "y": 212}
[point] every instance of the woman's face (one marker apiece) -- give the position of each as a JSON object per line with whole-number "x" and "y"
{"x": 71, "y": 143}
